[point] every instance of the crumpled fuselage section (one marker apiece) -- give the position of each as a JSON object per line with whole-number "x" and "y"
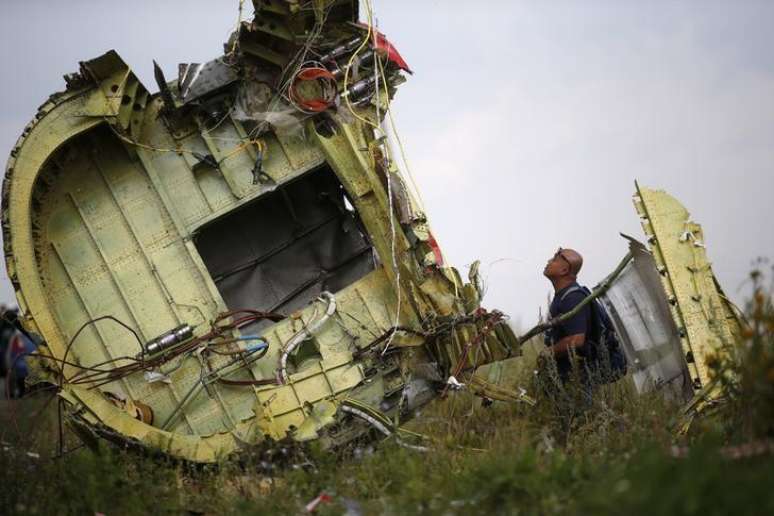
{"x": 237, "y": 258}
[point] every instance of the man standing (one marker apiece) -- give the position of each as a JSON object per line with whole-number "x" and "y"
{"x": 568, "y": 341}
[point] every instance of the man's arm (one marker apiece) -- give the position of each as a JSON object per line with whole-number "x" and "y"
{"x": 567, "y": 343}
{"x": 574, "y": 328}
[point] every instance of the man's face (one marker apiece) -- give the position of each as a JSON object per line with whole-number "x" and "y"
{"x": 557, "y": 266}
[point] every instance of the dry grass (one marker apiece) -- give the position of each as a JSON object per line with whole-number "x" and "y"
{"x": 613, "y": 457}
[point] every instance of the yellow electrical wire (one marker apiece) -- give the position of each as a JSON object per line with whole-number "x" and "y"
{"x": 238, "y": 27}
{"x": 394, "y": 127}
{"x": 349, "y": 67}
{"x": 142, "y": 145}
{"x": 262, "y": 147}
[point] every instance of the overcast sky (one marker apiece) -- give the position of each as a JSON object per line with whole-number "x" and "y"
{"x": 526, "y": 123}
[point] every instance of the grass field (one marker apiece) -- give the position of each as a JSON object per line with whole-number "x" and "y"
{"x": 621, "y": 455}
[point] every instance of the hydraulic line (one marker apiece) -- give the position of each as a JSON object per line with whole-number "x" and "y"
{"x": 305, "y": 333}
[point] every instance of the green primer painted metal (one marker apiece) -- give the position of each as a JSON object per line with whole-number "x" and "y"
{"x": 702, "y": 312}
{"x": 102, "y": 199}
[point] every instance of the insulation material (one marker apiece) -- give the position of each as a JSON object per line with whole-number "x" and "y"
{"x": 285, "y": 249}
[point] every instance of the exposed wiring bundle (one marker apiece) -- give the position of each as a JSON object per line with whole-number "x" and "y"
{"x": 177, "y": 343}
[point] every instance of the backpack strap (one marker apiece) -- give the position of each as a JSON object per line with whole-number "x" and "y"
{"x": 571, "y": 290}
{"x": 594, "y": 319}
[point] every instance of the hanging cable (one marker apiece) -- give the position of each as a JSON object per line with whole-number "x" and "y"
{"x": 237, "y": 28}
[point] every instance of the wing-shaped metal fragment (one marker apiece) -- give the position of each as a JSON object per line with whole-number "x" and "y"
{"x": 704, "y": 317}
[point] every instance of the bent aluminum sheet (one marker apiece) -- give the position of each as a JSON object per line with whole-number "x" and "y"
{"x": 640, "y": 312}
{"x": 704, "y": 316}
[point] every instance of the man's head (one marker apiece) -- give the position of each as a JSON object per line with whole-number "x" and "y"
{"x": 565, "y": 263}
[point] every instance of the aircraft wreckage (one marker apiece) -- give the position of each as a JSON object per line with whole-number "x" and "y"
{"x": 238, "y": 259}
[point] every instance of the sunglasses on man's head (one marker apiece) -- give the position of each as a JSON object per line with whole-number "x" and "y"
{"x": 563, "y": 257}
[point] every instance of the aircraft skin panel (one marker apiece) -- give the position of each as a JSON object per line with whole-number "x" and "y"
{"x": 643, "y": 321}
{"x": 198, "y": 192}
{"x": 702, "y": 314}
{"x": 33, "y": 147}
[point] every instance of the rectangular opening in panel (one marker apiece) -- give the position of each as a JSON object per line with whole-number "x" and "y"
{"x": 281, "y": 251}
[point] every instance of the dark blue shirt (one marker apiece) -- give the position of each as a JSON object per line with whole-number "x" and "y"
{"x": 564, "y": 301}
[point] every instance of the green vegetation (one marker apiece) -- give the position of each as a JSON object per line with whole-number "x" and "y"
{"x": 621, "y": 455}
